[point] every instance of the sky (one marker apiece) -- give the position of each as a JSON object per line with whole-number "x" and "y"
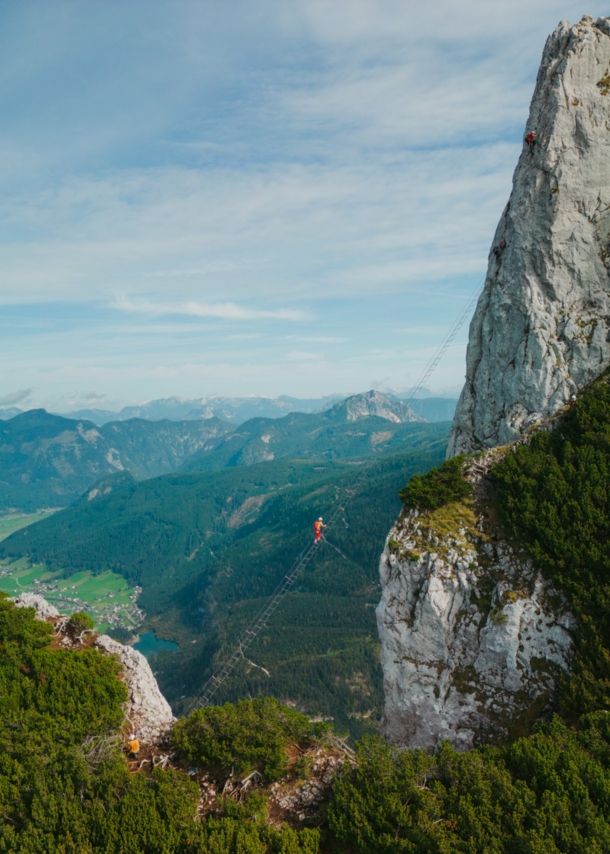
{"x": 251, "y": 198}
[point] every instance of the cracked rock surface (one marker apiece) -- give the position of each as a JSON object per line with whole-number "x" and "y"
{"x": 148, "y": 712}
{"x": 540, "y": 331}
{"x": 44, "y": 610}
{"x": 473, "y": 638}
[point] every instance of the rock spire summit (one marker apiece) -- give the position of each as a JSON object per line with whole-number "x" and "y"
{"x": 541, "y": 328}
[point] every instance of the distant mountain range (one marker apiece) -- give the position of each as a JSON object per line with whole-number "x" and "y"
{"x": 5, "y": 414}
{"x": 361, "y": 426}
{"x": 236, "y": 410}
{"x": 48, "y": 460}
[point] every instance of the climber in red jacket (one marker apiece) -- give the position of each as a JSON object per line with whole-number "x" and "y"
{"x": 531, "y": 140}
{"x": 317, "y": 526}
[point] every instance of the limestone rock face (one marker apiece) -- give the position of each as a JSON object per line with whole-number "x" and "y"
{"x": 148, "y": 712}
{"x": 473, "y": 639}
{"x": 540, "y": 331}
{"x": 44, "y": 610}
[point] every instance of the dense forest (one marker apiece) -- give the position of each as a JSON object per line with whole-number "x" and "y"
{"x": 66, "y": 788}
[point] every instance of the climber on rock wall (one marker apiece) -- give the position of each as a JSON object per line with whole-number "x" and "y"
{"x": 531, "y": 140}
{"x": 499, "y": 249}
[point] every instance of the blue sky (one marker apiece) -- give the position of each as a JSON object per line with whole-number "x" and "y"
{"x": 251, "y": 198}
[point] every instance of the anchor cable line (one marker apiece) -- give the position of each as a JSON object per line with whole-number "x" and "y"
{"x": 223, "y": 671}
{"x": 446, "y": 342}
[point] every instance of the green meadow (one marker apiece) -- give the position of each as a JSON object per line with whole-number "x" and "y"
{"x": 10, "y": 524}
{"x": 107, "y": 597}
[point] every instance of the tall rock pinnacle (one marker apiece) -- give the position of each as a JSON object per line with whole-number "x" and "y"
{"x": 541, "y": 328}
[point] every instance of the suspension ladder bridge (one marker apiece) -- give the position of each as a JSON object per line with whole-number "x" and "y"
{"x": 236, "y": 653}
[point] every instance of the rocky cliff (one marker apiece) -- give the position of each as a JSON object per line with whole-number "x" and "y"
{"x": 540, "y": 331}
{"x": 473, "y": 639}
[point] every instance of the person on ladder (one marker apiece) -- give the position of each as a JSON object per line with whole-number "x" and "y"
{"x": 317, "y": 526}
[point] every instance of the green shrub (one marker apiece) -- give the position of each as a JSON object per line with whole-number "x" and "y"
{"x": 553, "y": 494}
{"x": 546, "y": 793}
{"x": 438, "y": 487}
{"x": 79, "y": 622}
{"x": 252, "y": 734}
{"x": 55, "y": 798}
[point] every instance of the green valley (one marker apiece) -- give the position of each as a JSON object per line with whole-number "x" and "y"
{"x": 107, "y": 597}
{"x": 208, "y": 547}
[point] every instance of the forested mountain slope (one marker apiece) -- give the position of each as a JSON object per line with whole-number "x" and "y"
{"x": 205, "y": 547}
{"x": 47, "y": 460}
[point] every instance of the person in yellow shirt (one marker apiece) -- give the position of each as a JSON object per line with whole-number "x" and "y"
{"x": 134, "y": 746}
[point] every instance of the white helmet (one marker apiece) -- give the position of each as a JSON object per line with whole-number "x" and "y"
{"x": 320, "y": 519}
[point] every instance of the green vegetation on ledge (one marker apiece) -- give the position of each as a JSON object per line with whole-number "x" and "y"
{"x": 252, "y": 735}
{"x": 65, "y": 787}
{"x": 440, "y": 486}
{"x": 554, "y": 496}
{"x": 546, "y": 794}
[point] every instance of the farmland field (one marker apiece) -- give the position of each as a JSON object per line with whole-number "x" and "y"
{"x": 106, "y": 597}
{"x": 10, "y": 524}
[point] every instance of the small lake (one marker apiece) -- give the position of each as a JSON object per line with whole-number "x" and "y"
{"x": 149, "y": 644}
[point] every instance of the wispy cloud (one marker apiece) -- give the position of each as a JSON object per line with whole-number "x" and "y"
{"x": 301, "y": 356}
{"x": 15, "y": 397}
{"x": 222, "y": 311}
{"x": 245, "y": 165}
{"x": 317, "y": 339}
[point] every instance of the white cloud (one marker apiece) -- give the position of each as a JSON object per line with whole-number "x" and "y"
{"x": 316, "y": 339}
{"x": 223, "y": 311}
{"x": 252, "y": 163}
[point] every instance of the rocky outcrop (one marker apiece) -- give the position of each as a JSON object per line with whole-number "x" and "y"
{"x": 541, "y": 328}
{"x": 473, "y": 639}
{"x": 373, "y": 403}
{"x": 44, "y": 610}
{"x": 148, "y": 712}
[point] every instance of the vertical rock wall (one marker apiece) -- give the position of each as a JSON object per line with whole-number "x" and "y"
{"x": 473, "y": 639}
{"x": 540, "y": 331}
